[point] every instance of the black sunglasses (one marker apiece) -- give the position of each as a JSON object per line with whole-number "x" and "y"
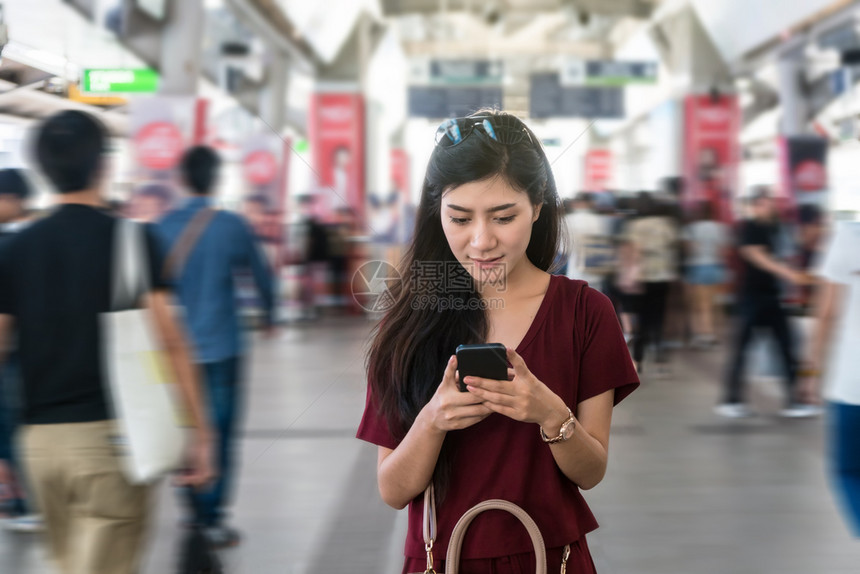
{"x": 505, "y": 129}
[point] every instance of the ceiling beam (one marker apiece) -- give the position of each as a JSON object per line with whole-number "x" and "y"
{"x": 268, "y": 20}
{"x": 635, "y": 8}
{"x": 31, "y": 103}
{"x": 504, "y": 48}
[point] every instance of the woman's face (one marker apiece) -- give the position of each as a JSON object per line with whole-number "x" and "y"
{"x": 488, "y": 225}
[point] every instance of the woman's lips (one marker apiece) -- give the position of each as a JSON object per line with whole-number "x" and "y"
{"x": 486, "y": 262}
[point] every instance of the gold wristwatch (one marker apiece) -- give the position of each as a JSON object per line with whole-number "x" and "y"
{"x": 564, "y": 433}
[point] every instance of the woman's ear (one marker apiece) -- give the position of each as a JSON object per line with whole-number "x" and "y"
{"x": 536, "y": 207}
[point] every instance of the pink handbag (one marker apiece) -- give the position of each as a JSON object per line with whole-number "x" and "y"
{"x": 455, "y": 546}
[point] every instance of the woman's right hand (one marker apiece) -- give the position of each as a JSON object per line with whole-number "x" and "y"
{"x": 450, "y": 409}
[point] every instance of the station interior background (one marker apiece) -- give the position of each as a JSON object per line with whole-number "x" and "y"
{"x": 339, "y": 100}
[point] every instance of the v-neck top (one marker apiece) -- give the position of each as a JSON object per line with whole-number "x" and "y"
{"x": 539, "y": 317}
{"x": 576, "y": 347}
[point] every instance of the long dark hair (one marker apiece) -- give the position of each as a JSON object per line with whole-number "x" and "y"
{"x": 413, "y": 341}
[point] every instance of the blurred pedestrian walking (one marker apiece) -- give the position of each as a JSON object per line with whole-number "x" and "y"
{"x": 208, "y": 249}
{"x": 55, "y": 285}
{"x": 707, "y": 242}
{"x": 832, "y": 360}
{"x": 759, "y": 306}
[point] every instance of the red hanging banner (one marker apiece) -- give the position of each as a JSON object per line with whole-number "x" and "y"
{"x": 598, "y": 170}
{"x": 711, "y": 152}
{"x": 336, "y": 130}
{"x": 804, "y": 166}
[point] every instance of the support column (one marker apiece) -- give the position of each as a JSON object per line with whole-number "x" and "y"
{"x": 273, "y": 99}
{"x": 181, "y": 43}
{"x": 795, "y": 104}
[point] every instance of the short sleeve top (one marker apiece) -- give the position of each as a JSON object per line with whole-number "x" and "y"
{"x": 707, "y": 240}
{"x": 55, "y": 280}
{"x": 576, "y": 347}
{"x": 656, "y": 239}
{"x": 842, "y": 265}
{"x": 757, "y": 281}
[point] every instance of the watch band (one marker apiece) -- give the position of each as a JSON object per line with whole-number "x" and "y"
{"x": 561, "y": 431}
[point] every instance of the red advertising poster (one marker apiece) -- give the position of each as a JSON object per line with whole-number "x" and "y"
{"x": 400, "y": 172}
{"x": 803, "y": 161}
{"x": 598, "y": 169}
{"x": 159, "y": 145}
{"x": 263, "y": 160}
{"x": 261, "y": 167}
{"x": 336, "y": 130}
{"x": 162, "y": 127}
{"x": 711, "y": 152}
{"x": 402, "y": 197}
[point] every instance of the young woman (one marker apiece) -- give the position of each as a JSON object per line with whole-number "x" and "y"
{"x": 652, "y": 242}
{"x": 706, "y": 241}
{"x": 490, "y": 214}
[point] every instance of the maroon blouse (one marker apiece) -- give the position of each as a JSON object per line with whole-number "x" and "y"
{"x": 576, "y": 347}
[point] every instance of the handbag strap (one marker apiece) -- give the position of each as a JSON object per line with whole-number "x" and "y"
{"x": 185, "y": 244}
{"x": 130, "y": 280}
{"x": 455, "y": 546}
{"x": 429, "y": 526}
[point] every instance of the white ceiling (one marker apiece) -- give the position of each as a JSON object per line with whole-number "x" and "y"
{"x": 326, "y": 24}
{"x": 50, "y": 35}
{"x": 762, "y": 21}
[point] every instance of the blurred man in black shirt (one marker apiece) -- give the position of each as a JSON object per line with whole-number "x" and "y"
{"x": 55, "y": 283}
{"x": 759, "y": 306}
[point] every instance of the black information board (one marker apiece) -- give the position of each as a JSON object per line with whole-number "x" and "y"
{"x": 595, "y": 70}
{"x": 442, "y": 102}
{"x": 549, "y": 99}
{"x": 472, "y": 72}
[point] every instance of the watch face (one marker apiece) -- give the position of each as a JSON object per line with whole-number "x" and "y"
{"x": 567, "y": 430}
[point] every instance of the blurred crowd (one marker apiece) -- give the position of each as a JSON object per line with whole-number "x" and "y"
{"x": 676, "y": 275}
{"x": 680, "y": 278}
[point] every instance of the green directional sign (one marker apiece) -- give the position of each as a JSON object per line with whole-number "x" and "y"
{"x": 114, "y": 81}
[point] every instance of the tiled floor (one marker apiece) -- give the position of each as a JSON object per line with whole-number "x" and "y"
{"x": 686, "y": 492}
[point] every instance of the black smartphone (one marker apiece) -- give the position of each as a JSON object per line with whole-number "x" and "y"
{"x": 486, "y": 360}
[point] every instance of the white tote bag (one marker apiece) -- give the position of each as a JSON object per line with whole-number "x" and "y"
{"x": 141, "y": 388}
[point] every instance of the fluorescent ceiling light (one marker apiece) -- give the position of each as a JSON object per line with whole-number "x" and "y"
{"x": 42, "y": 60}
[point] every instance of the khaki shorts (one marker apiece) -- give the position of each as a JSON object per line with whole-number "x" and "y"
{"x": 95, "y": 520}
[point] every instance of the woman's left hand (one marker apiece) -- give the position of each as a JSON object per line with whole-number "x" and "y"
{"x": 522, "y": 398}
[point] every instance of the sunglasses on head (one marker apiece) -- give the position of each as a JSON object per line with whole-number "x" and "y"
{"x": 505, "y": 129}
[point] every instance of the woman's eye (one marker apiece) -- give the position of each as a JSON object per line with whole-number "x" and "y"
{"x": 507, "y": 219}
{"x": 459, "y": 220}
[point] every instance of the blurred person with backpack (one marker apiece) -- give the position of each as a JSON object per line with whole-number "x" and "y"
{"x": 56, "y": 283}
{"x": 213, "y": 248}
